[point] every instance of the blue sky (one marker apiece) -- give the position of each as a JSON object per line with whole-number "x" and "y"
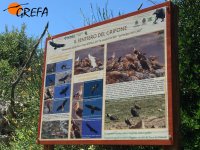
{"x": 63, "y": 15}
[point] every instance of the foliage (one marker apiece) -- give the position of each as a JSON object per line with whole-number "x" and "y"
{"x": 189, "y": 68}
{"x": 15, "y": 49}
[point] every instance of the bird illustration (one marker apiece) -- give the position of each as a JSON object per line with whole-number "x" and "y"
{"x": 127, "y": 121}
{"x": 56, "y": 45}
{"x": 91, "y": 128}
{"x": 64, "y": 78}
{"x": 64, "y": 91}
{"x": 92, "y": 108}
{"x": 61, "y": 107}
{"x": 79, "y": 93}
{"x": 94, "y": 88}
{"x": 134, "y": 112}
{"x": 92, "y": 60}
{"x": 160, "y": 14}
{"x": 112, "y": 117}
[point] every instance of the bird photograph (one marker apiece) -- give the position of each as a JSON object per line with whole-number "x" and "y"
{"x": 92, "y": 108}
{"x": 48, "y": 93}
{"x": 64, "y": 77}
{"x": 78, "y": 91}
{"x": 89, "y": 60}
{"x": 50, "y": 80}
{"x": 112, "y": 117}
{"x": 56, "y": 45}
{"x": 63, "y": 66}
{"x": 62, "y": 91}
{"x": 91, "y": 129}
{"x": 55, "y": 129}
{"x": 135, "y": 113}
{"x": 61, "y": 107}
{"x": 48, "y": 107}
{"x": 136, "y": 58}
{"x": 76, "y": 126}
{"x": 51, "y": 68}
{"x": 77, "y": 109}
{"x": 93, "y": 89}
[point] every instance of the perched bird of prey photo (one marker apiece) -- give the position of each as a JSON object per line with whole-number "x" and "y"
{"x": 92, "y": 60}
{"x": 92, "y": 108}
{"x": 78, "y": 95}
{"x": 48, "y": 94}
{"x": 134, "y": 112}
{"x": 61, "y": 107}
{"x": 56, "y": 45}
{"x": 91, "y": 128}
{"x": 112, "y": 117}
{"x": 127, "y": 121}
{"x": 64, "y": 91}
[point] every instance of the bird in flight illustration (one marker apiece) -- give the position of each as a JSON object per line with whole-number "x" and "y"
{"x": 56, "y": 45}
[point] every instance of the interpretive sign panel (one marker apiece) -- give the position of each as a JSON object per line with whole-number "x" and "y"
{"x": 110, "y": 83}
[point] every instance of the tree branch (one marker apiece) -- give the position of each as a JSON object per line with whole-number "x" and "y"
{"x": 25, "y": 67}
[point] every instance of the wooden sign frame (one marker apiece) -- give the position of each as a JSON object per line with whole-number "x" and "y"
{"x": 172, "y": 83}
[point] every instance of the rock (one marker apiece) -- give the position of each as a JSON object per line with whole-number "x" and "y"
{"x": 160, "y": 72}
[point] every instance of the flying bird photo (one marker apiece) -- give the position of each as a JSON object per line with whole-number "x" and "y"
{"x": 91, "y": 128}
{"x": 62, "y": 78}
{"x": 93, "y": 89}
{"x": 62, "y": 91}
{"x": 64, "y": 66}
{"x": 61, "y": 107}
{"x": 92, "y": 108}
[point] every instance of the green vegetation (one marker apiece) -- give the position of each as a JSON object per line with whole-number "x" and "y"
{"x": 21, "y": 127}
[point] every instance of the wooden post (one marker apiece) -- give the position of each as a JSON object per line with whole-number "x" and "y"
{"x": 48, "y": 147}
{"x": 175, "y": 80}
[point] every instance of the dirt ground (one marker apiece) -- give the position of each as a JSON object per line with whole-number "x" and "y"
{"x": 151, "y": 114}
